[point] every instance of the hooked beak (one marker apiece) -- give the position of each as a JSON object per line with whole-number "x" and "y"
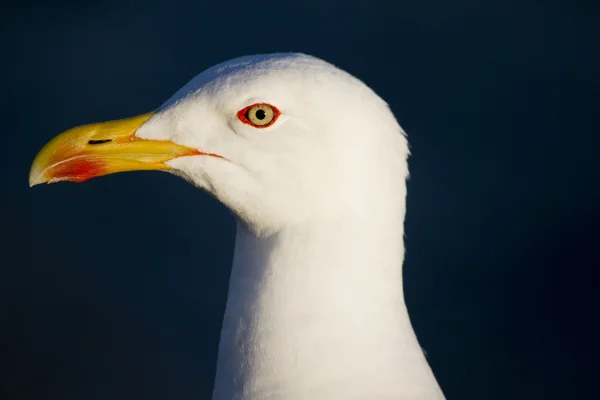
{"x": 93, "y": 150}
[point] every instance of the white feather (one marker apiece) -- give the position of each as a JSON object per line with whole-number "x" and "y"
{"x": 316, "y": 307}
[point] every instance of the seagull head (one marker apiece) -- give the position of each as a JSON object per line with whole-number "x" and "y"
{"x": 277, "y": 138}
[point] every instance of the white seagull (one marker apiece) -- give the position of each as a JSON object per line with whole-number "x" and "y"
{"x": 314, "y": 165}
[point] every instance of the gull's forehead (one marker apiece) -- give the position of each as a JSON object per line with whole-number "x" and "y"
{"x": 248, "y": 71}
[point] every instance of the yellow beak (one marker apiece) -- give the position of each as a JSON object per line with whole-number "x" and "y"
{"x": 100, "y": 149}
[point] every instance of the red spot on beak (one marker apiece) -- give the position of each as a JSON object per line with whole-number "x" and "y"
{"x": 78, "y": 169}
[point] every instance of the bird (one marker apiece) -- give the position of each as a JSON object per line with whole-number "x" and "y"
{"x": 313, "y": 165}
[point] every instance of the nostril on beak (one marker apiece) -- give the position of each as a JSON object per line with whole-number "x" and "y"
{"x": 99, "y": 141}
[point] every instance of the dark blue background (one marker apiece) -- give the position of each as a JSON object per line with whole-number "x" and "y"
{"x": 114, "y": 289}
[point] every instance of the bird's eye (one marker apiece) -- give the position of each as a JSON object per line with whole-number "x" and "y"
{"x": 259, "y": 115}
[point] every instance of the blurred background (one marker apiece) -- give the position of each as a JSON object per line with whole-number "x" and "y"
{"x": 115, "y": 289}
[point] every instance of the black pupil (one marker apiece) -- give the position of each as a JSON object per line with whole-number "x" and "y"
{"x": 261, "y": 114}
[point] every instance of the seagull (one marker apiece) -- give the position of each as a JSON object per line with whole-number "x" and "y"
{"x": 313, "y": 164}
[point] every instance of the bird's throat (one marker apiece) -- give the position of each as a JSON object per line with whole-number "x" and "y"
{"x": 318, "y": 312}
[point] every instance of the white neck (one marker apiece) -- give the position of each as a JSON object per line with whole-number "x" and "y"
{"x": 317, "y": 312}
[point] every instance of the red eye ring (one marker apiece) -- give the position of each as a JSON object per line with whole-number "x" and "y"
{"x": 268, "y": 110}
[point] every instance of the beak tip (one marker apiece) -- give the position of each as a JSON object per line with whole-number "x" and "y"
{"x": 35, "y": 180}
{"x": 36, "y": 176}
